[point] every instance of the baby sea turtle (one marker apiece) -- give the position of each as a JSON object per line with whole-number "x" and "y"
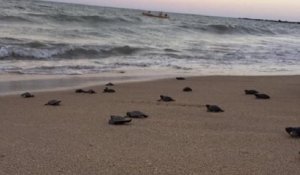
{"x": 79, "y": 91}
{"x": 107, "y": 90}
{"x": 53, "y": 103}
{"x": 90, "y": 91}
{"x": 262, "y": 96}
{"x": 27, "y": 95}
{"x": 213, "y": 108}
{"x": 251, "y": 92}
{"x": 109, "y": 84}
{"x": 187, "y": 89}
{"x": 166, "y": 98}
{"x": 118, "y": 120}
{"x": 136, "y": 114}
{"x": 293, "y": 131}
{"x": 180, "y": 78}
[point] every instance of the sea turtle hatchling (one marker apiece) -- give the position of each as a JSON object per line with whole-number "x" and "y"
{"x": 136, "y": 114}
{"x": 53, "y": 103}
{"x": 109, "y": 84}
{"x": 166, "y": 98}
{"x": 27, "y": 95}
{"x": 250, "y": 91}
{"x": 180, "y": 78}
{"x": 262, "y": 96}
{"x": 213, "y": 108}
{"x": 293, "y": 131}
{"x": 187, "y": 89}
{"x": 108, "y": 90}
{"x": 118, "y": 120}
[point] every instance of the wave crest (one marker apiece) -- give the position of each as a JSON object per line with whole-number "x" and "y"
{"x": 85, "y": 19}
{"x": 37, "y": 50}
{"x": 228, "y": 29}
{"x": 7, "y": 18}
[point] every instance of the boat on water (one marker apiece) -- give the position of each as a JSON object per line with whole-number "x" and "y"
{"x": 160, "y": 15}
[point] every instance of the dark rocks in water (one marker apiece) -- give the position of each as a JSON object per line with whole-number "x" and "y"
{"x": 187, "y": 89}
{"x": 27, "y": 95}
{"x": 213, "y": 108}
{"x": 251, "y": 92}
{"x": 262, "y": 96}
{"x": 136, "y": 114}
{"x": 180, "y": 78}
{"x": 166, "y": 98}
{"x": 118, "y": 120}
{"x": 109, "y": 84}
{"x": 53, "y": 103}
{"x": 293, "y": 131}
{"x": 107, "y": 90}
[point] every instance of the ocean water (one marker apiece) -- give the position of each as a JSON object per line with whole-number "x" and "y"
{"x": 46, "y": 38}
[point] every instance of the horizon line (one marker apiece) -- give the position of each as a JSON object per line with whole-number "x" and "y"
{"x": 184, "y": 13}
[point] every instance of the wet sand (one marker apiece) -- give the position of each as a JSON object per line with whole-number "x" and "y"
{"x": 11, "y": 83}
{"x": 177, "y": 138}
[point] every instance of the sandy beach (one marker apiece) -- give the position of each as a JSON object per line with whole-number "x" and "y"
{"x": 177, "y": 138}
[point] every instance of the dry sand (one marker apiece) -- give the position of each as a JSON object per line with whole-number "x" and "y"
{"x": 177, "y": 138}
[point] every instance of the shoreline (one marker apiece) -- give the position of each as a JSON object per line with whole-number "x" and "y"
{"x": 11, "y": 84}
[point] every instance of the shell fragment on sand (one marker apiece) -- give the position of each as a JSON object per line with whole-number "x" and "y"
{"x": 119, "y": 120}
{"x": 213, "y": 108}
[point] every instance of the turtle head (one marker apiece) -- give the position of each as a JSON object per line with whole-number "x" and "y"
{"x": 289, "y": 129}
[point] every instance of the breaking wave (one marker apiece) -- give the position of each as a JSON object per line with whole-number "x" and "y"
{"x": 81, "y": 18}
{"x": 7, "y": 18}
{"x": 229, "y": 29}
{"x": 37, "y": 50}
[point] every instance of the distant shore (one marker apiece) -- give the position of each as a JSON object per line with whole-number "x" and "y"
{"x": 177, "y": 138}
{"x": 268, "y": 20}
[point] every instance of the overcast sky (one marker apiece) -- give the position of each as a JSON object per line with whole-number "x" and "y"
{"x": 266, "y": 9}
